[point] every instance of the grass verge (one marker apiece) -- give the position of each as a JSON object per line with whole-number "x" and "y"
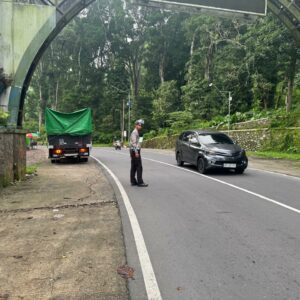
{"x": 31, "y": 169}
{"x": 103, "y": 145}
{"x": 274, "y": 155}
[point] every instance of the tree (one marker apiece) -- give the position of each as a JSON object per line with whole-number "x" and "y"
{"x": 165, "y": 102}
{"x": 163, "y": 61}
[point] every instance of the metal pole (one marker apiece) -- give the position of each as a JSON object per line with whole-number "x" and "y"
{"x": 122, "y": 133}
{"x": 229, "y": 102}
{"x": 129, "y": 106}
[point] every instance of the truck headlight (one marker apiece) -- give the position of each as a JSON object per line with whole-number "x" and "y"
{"x": 83, "y": 150}
{"x": 57, "y": 151}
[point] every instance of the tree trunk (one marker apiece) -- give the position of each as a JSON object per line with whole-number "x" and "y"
{"x": 56, "y": 95}
{"x": 290, "y": 79}
{"x": 79, "y": 65}
{"x": 41, "y": 109}
{"x": 191, "y": 55}
{"x": 135, "y": 82}
{"x": 41, "y": 100}
{"x": 288, "y": 99}
{"x": 133, "y": 88}
{"x": 280, "y": 95}
{"x": 265, "y": 101}
{"x": 209, "y": 60}
{"x": 162, "y": 69}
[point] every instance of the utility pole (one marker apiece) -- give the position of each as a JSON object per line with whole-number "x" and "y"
{"x": 123, "y": 122}
{"x": 229, "y": 102}
{"x": 129, "y": 107}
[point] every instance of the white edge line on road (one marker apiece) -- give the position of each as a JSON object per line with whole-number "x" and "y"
{"x": 231, "y": 185}
{"x": 275, "y": 173}
{"x": 151, "y": 285}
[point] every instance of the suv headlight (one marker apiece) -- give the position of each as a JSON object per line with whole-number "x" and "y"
{"x": 209, "y": 152}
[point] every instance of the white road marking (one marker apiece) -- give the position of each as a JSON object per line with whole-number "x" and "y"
{"x": 275, "y": 173}
{"x": 151, "y": 285}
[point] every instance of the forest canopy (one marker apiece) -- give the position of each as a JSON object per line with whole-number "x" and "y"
{"x": 171, "y": 69}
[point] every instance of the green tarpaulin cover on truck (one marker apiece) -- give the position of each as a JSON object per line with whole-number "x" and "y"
{"x": 75, "y": 123}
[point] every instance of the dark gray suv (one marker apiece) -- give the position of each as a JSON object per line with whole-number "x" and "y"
{"x": 209, "y": 150}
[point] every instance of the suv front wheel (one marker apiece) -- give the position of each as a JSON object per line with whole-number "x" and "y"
{"x": 239, "y": 171}
{"x": 178, "y": 159}
{"x": 201, "y": 166}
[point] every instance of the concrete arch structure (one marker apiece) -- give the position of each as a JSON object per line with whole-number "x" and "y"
{"x": 288, "y": 11}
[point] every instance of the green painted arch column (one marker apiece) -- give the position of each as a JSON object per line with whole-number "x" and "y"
{"x": 26, "y": 31}
{"x": 15, "y": 105}
{"x": 288, "y": 11}
{"x": 24, "y": 28}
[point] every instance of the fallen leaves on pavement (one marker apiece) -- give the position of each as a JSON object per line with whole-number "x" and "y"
{"x": 126, "y": 272}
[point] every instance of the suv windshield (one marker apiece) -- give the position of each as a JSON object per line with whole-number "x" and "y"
{"x": 215, "y": 138}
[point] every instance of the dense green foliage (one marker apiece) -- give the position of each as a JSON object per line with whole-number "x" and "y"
{"x": 31, "y": 169}
{"x": 3, "y": 117}
{"x": 275, "y": 155}
{"x": 176, "y": 69}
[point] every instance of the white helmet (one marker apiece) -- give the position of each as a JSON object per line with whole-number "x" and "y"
{"x": 139, "y": 122}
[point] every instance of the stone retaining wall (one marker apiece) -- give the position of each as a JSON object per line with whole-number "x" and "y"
{"x": 276, "y": 139}
{"x": 12, "y": 156}
{"x": 250, "y": 139}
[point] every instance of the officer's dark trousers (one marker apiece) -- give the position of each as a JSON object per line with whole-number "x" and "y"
{"x": 136, "y": 168}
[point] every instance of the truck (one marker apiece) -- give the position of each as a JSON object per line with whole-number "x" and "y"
{"x": 69, "y": 134}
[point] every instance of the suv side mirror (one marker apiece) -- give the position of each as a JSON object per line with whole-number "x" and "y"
{"x": 194, "y": 141}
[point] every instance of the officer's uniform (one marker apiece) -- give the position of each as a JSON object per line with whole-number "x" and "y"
{"x": 136, "y": 161}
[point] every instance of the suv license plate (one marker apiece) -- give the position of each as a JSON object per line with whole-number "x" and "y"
{"x": 229, "y": 165}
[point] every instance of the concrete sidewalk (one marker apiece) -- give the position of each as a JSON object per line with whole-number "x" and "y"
{"x": 61, "y": 235}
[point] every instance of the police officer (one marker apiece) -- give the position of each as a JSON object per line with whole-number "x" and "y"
{"x": 135, "y": 153}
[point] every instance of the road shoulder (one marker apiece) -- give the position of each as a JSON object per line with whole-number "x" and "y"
{"x": 61, "y": 235}
{"x": 281, "y": 166}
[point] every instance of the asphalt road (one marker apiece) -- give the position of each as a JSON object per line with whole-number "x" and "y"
{"x": 221, "y": 236}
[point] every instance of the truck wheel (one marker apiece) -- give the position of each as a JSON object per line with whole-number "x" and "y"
{"x": 53, "y": 161}
{"x": 84, "y": 159}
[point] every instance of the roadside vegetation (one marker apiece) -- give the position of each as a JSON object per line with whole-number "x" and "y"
{"x": 175, "y": 70}
{"x": 264, "y": 119}
{"x": 275, "y": 155}
{"x": 3, "y": 117}
{"x": 31, "y": 169}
